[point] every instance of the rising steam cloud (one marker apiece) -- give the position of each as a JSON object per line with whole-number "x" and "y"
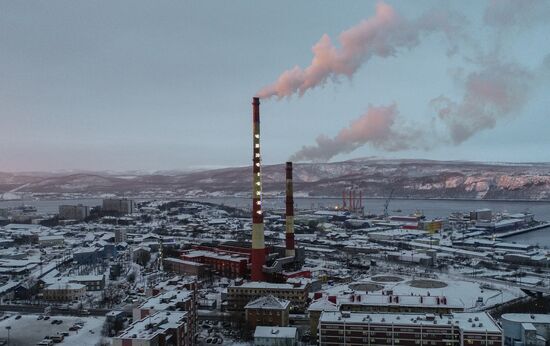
{"x": 493, "y": 92}
{"x": 377, "y": 127}
{"x": 381, "y": 35}
{"x": 496, "y": 91}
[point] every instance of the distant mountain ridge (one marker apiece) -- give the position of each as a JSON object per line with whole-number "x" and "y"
{"x": 376, "y": 177}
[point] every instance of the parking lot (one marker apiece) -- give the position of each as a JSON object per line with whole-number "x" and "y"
{"x": 29, "y": 329}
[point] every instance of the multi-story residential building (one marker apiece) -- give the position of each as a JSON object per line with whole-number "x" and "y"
{"x": 174, "y": 284}
{"x": 182, "y": 300}
{"x": 118, "y": 205}
{"x": 408, "y": 329}
{"x": 161, "y": 328}
{"x": 64, "y": 291}
{"x": 120, "y": 235}
{"x": 267, "y": 311}
{"x": 275, "y": 336}
{"x": 238, "y": 295}
{"x": 356, "y": 302}
{"x": 74, "y": 212}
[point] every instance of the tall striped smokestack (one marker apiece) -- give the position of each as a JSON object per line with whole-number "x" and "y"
{"x": 258, "y": 247}
{"x": 289, "y": 234}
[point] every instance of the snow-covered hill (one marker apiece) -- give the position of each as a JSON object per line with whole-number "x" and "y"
{"x": 376, "y": 177}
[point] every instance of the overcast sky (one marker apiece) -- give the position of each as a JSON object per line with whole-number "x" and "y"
{"x": 155, "y": 85}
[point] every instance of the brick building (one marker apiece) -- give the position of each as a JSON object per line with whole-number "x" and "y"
{"x": 238, "y": 295}
{"x": 267, "y": 311}
{"x": 222, "y": 263}
{"x": 179, "y": 266}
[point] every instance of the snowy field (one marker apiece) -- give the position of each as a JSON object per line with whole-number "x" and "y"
{"x": 28, "y": 330}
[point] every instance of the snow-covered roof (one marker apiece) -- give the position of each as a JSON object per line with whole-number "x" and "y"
{"x": 269, "y": 285}
{"x": 218, "y": 255}
{"x": 65, "y": 286}
{"x": 165, "y": 300}
{"x": 152, "y": 325}
{"x": 400, "y": 300}
{"x": 527, "y": 318}
{"x": 269, "y": 303}
{"x": 471, "y": 322}
{"x": 275, "y": 332}
{"x": 322, "y": 304}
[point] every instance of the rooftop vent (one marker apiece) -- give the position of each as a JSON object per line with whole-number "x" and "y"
{"x": 274, "y": 331}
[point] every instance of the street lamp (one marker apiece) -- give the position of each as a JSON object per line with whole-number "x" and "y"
{"x": 8, "y": 328}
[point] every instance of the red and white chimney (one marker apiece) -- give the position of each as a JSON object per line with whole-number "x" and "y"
{"x": 289, "y": 234}
{"x": 258, "y": 246}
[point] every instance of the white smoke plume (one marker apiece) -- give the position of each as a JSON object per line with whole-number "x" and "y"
{"x": 493, "y": 92}
{"x": 381, "y": 35}
{"x": 377, "y": 127}
{"x": 497, "y": 90}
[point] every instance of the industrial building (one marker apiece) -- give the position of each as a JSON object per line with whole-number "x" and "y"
{"x": 228, "y": 264}
{"x": 179, "y": 266}
{"x": 525, "y": 329}
{"x": 253, "y": 259}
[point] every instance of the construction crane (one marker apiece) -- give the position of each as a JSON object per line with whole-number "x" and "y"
{"x": 387, "y": 203}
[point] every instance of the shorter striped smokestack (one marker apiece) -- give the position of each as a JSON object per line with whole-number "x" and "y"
{"x": 289, "y": 234}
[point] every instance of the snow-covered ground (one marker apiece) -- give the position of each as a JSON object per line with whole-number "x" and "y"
{"x": 28, "y": 330}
